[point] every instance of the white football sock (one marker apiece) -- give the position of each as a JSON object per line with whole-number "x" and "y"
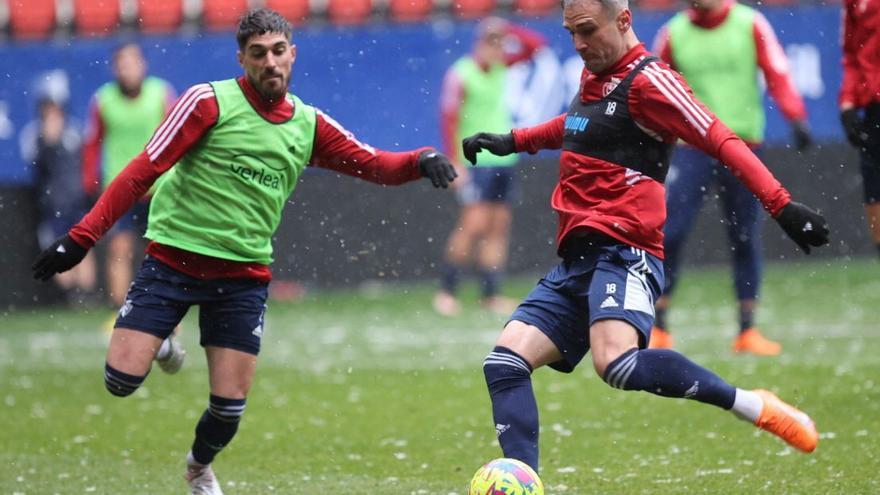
{"x": 192, "y": 462}
{"x": 747, "y": 405}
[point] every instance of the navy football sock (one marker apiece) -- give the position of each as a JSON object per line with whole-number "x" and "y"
{"x": 121, "y": 384}
{"x": 491, "y": 280}
{"x": 514, "y": 409}
{"x": 450, "y": 273}
{"x": 660, "y": 318}
{"x": 216, "y": 427}
{"x": 669, "y": 374}
{"x": 746, "y": 318}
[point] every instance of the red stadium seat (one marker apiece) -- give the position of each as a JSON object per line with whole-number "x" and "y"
{"x": 295, "y": 11}
{"x": 410, "y": 10}
{"x": 30, "y": 19}
{"x": 96, "y": 17}
{"x": 349, "y": 11}
{"x": 535, "y": 7}
{"x": 222, "y": 15}
{"x": 156, "y": 16}
{"x": 471, "y": 9}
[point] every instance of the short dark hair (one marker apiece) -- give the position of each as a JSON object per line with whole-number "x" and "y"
{"x": 261, "y": 21}
{"x": 125, "y": 46}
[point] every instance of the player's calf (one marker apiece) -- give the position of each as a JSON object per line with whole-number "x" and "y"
{"x": 669, "y": 374}
{"x": 121, "y": 384}
{"x": 514, "y": 408}
{"x": 217, "y": 426}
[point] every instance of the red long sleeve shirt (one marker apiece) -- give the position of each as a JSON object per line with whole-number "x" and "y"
{"x": 191, "y": 118}
{"x": 596, "y": 195}
{"x": 770, "y": 56}
{"x": 525, "y": 43}
{"x": 861, "y": 53}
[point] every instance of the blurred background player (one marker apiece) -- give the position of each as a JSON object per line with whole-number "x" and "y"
{"x": 52, "y": 143}
{"x": 719, "y": 46}
{"x": 214, "y": 249}
{"x": 859, "y": 98}
{"x": 122, "y": 116}
{"x": 616, "y": 138}
{"x": 472, "y": 99}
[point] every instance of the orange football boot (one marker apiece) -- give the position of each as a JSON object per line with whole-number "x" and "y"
{"x": 753, "y": 342}
{"x": 660, "y": 339}
{"x": 787, "y": 422}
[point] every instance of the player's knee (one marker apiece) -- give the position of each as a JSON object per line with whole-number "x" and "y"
{"x": 503, "y": 368}
{"x": 617, "y": 372}
{"x": 121, "y": 384}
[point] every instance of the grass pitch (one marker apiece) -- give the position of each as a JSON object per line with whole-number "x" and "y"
{"x": 369, "y": 392}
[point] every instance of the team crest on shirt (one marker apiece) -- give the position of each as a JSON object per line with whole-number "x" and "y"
{"x": 610, "y": 86}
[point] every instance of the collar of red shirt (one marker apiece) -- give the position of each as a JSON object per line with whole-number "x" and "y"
{"x": 708, "y": 19}
{"x": 276, "y": 112}
{"x": 627, "y": 58}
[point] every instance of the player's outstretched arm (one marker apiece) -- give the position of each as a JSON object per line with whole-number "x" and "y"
{"x": 497, "y": 144}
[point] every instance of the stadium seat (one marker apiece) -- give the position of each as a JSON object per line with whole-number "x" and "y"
{"x": 295, "y": 11}
{"x": 472, "y": 9}
{"x": 96, "y": 17}
{"x": 535, "y": 7}
{"x": 156, "y": 16}
{"x": 222, "y": 15}
{"x": 349, "y": 11}
{"x": 31, "y": 19}
{"x": 410, "y": 10}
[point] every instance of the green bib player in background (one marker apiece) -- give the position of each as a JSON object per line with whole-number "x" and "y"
{"x": 473, "y": 98}
{"x": 122, "y": 116}
{"x": 230, "y": 154}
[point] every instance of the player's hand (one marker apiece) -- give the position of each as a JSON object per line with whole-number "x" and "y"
{"x": 497, "y": 144}
{"x": 437, "y": 167}
{"x": 61, "y": 256}
{"x": 854, "y": 128}
{"x": 805, "y": 226}
{"x": 803, "y": 139}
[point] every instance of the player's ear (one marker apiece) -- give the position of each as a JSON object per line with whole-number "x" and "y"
{"x": 624, "y": 20}
{"x": 292, "y": 53}
{"x": 240, "y": 57}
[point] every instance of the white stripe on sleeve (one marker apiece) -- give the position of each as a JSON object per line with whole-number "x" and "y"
{"x": 176, "y": 117}
{"x": 672, "y": 90}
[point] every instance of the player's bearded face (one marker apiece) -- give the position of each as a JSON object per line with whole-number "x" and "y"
{"x": 597, "y": 37}
{"x": 267, "y": 60}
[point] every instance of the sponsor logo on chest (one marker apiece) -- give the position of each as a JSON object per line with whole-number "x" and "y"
{"x": 576, "y": 123}
{"x": 252, "y": 169}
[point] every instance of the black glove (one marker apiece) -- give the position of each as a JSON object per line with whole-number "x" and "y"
{"x": 854, "y": 128}
{"x": 497, "y": 144}
{"x": 437, "y": 167}
{"x": 805, "y": 226}
{"x": 61, "y": 256}
{"x": 802, "y": 137}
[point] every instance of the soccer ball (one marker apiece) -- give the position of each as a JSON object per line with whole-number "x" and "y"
{"x": 506, "y": 477}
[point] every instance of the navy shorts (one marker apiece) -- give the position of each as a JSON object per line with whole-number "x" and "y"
{"x": 231, "y": 311}
{"x": 134, "y": 220}
{"x": 615, "y": 282}
{"x": 52, "y": 227}
{"x": 489, "y": 185}
{"x": 870, "y": 159}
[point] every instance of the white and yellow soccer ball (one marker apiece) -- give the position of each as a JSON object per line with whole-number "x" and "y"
{"x": 506, "y": 477}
